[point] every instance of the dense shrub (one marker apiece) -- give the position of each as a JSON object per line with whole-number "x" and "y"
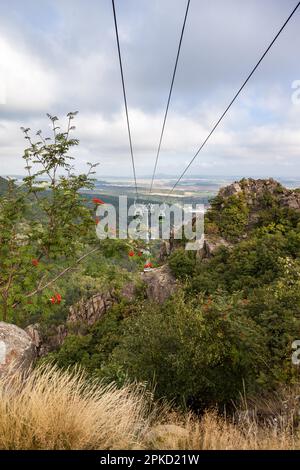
{"x": 276, "y": 309}
{"x": 94, "y": 348}
{"x": 182, "y": 263}
{"x": 251, "y": 263}
{"x": 230, "y": 215}
{"x": 195, "y": 352}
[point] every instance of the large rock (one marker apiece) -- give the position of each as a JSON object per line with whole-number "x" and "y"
{"x": 230, "y": 190}
{"x": 34, "y": 331}
{"x": 160, "y": 284}
{"x": 17, "y": 350}
{"x": 46, "y": 343}
{"x": 291, "y": 200}
{"x": 91, "y": 310}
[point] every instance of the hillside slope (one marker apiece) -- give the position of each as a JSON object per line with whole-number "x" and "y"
{"x": 229, "y": 324}
{"x": 3, "y": 185}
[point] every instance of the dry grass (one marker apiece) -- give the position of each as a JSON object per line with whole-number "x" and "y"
{"x": 212, "y": 432}
{"x": 52, "y": 409}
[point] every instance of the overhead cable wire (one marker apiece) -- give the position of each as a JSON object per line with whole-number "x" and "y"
{"x": 125, "y": 98}
{"x": 170, "y": 94}
{"x": 235, "y": 97}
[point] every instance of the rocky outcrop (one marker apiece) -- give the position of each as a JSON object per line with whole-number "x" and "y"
{"x": 160, "y": 284}
{"x": 230, "y": 190}
{"x": 291, "y": 200}
{"x": 46, "y": 343}
{"x": 34, "y": 331}
{"x": 17, "y": 350}
{"x": 91, "y": 310}
{"x": 165, "y": 250}
{"x": 255, "y": 189}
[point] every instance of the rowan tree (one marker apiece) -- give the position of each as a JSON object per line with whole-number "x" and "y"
{"x": 45, "y": 222}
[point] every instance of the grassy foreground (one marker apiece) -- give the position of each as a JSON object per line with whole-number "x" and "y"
{"x": 55, "y": 409}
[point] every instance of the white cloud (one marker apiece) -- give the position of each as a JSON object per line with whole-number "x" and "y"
{"x": 29, "y": 85}
{"x": 61, "y": 56}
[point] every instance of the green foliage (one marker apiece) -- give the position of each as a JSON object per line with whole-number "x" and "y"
{"x": 249, "y": 264}
{"x": 92, "y": 350}
{"x": 276, "y": 309}
{"x": 182, "y": 263}
{"x": 66, "y": 220}
{"x": 229, "y": 216}
{"x": 194, "y": 351}
{"x": 230, "y": 325}
{"x": 4, "y": 184}
{"x": 42, "y": 230}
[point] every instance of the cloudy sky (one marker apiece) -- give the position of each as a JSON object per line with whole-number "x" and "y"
{"x": 60, "y": 55}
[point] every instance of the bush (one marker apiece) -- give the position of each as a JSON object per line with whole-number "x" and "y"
{"x": 92, "y": 350}
{"x": 182, "y": 263}
{"x": 251, "y": 263}
{"x": 275, "y": 308}
{"x": 43, "y": 229}
{"x": 190, "y": 350}
{"x": 228, "y": 216}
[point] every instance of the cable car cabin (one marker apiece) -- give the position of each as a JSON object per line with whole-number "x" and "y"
{"x": 162, "y": 213}
{"x": 139, "y": 210}
{"x": 151, "y": 208}
{"x": 148, "y": 267}
{"x": 137, "y": 213}
{"x": 146, "y": 270}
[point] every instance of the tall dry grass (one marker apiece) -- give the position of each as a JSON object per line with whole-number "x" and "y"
{"x": 212, "y": 432}
{"x": 55, "y": 409}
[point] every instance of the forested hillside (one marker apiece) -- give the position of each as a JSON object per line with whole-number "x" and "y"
{"x": 233, "y": 317}
{"x": 212, "y": 328}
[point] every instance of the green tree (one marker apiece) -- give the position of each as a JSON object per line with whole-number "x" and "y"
{"x": 229, "y": 217}
{"x": 45, "y": 224}
{"x": 182, "y": 263}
